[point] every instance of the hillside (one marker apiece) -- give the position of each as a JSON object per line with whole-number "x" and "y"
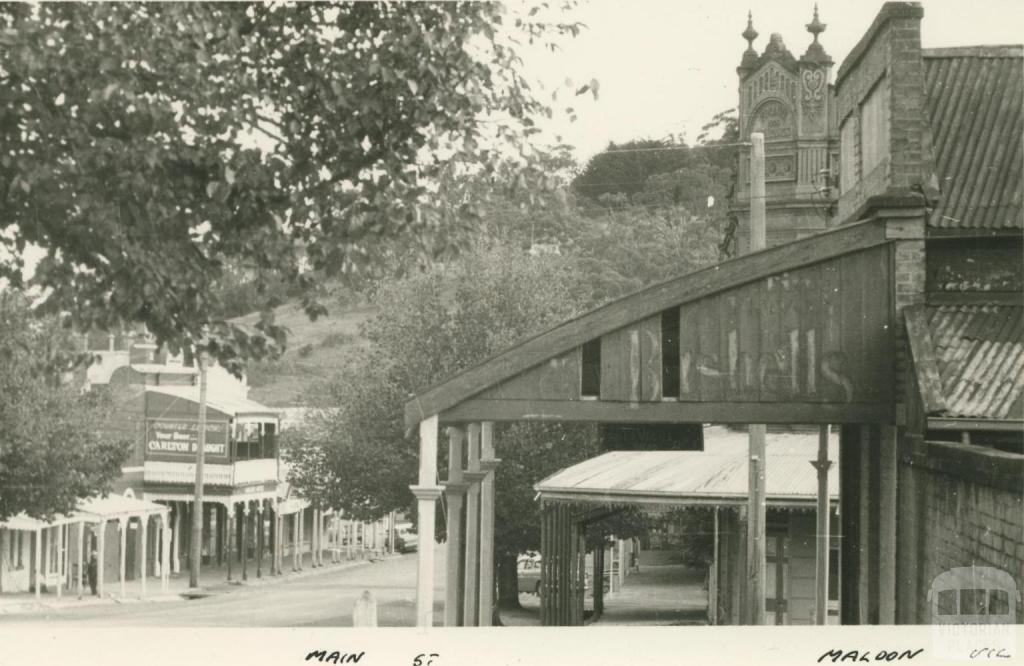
{"x": 316, "y": 350}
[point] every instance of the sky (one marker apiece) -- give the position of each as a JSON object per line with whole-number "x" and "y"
{"x": 666, "y": 67}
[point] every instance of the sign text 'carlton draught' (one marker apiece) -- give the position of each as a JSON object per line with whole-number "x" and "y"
{"x": 178, "y": 439}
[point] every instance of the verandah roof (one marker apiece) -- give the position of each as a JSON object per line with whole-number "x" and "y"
{"x": 716, "y": 476}
{"x": 89, "y": 510}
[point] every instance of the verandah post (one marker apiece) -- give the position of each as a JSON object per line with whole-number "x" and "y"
{"x": 489, "y": 464}
{"x": 473, "y": 476}
{"x": 427, "y": 493}
{"x": 454, "y": 491}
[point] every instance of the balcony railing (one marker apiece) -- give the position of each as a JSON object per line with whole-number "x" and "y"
{"x": 235, "y": 474}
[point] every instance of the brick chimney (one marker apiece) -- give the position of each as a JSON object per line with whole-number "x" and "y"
{"x": 880, "y": 107}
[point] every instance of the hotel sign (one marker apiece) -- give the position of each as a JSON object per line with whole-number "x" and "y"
{"x": 177, "y": 440}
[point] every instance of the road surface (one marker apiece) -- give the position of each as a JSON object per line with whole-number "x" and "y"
{"x": 322, "y": 599}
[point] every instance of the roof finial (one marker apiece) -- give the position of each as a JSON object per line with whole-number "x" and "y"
{"x": 750, "y": 34}
{"x": 816, "y": 27}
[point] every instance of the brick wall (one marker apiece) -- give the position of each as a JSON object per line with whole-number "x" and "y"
{"x": 909, "y": 273}
{"x": 964, "y": 516}
{"x": 890, "y": 50}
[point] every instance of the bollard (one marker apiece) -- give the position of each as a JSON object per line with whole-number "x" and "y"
{"x": 364, "y": 612}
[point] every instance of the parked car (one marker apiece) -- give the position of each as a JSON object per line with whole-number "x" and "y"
{"x": 528, "y": 568}
{"x": 406, "y": 539}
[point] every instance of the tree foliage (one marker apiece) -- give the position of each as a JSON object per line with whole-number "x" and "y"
{"x": 147, "y": 147}
{"x": 355, "y": 455}
{"x": 51, "y": 452}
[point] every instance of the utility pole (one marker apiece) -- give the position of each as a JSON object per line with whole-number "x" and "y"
{"x": 756, "y": 518}
{"x": 822, "y": 464}
{"x": 196, "y": 550}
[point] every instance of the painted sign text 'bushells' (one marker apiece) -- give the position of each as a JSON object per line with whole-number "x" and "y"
{"x": 178, "y": 440}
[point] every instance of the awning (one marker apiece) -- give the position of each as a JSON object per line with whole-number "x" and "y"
{"x": 113, "y": 507}
{"x": 233, "y": 405}
{"x": 91, "y": 510}
{"x": 716, "y": 476}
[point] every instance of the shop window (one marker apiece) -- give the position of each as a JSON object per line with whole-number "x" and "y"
{"x": 590, "y": 363}
{"x": 670, "y": 353}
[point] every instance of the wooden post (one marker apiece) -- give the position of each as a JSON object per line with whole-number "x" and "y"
{"x": 259, "y": 539}
{"x": 101, "y": 538}
{"x": 218, "y": 537}
{"x": 598, "y": 580}
{"x": 275, "y": 547}
{"x": 756, "y": 504}
{"x": 622, "y": 563}
{"x": 756, "y": 563}
{"x": 295, "y": 540}
{"x": 143, "y": 519}
{"x": 318, "y": 528}
{"x": 822, "y": 465}
{"x": 245, "y": 541}
{"x": 350, "y": 538}
{"x": 489, "y": 464}
{"x": 471, "y": 584}
{"x": 196, "y": 549}
{"x": 177, "y": 538}
{"x": 864, "y": 525}
{"x": 122, "y": 525}
{"x": 69, "y": 577}
{"x": 47, "y": 540}
{"x": 427, "y": 493}
{"x": 715, "y": 564}
{"x": 81, "y": 547}
{"x": 229, "y": 537}
{"x": 455, "y": 489}
{"x": 757, "y": 192}
{"x": 165, "y": 551}
{"x": 60, "y": 560}
{"x": 312, "y": 537}
{"x": 887, "y": 527}
{"x": 39, "y": 563}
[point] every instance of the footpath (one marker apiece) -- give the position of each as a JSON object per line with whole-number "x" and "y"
{"x": 213, "y": 581}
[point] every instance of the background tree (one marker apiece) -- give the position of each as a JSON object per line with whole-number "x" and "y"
{"x": 147, "y": 147}
{"x": 51, "y": 452}
{"x": 430, "y": 326}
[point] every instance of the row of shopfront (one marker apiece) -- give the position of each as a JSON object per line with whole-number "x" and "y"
{"x": 133, "y": 541}
{"x": 120, "y": 546}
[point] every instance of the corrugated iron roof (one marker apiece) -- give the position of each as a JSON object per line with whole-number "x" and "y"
{"x": 719, "y": 473}
{"x": 980, "y": 356}
{"x": 229, "y": 404}
{"x": 975, "y": 97}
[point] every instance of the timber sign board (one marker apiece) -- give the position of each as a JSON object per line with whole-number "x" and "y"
{"x": 176, "y": 440}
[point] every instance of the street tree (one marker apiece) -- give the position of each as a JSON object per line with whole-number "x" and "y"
{"x": 354, "y": 453}
{"x": 52, "y": 452}
{"x": 148, "y": 148}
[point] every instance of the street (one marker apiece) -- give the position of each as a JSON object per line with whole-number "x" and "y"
{"x": 323, "y": 599}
